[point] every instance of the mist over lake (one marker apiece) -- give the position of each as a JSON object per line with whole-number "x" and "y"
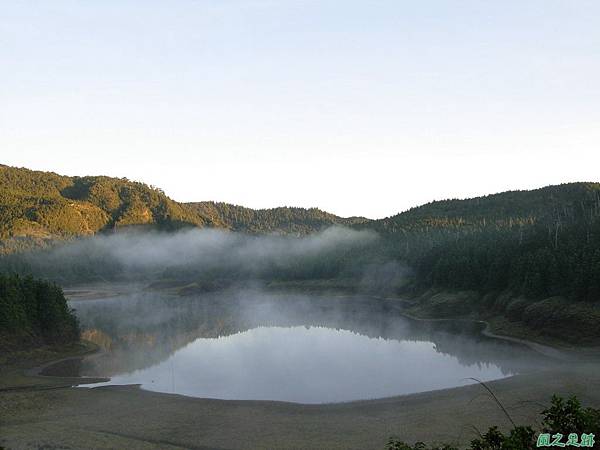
{"x": 256, "y": 345}
{"x": 299, "y": 225}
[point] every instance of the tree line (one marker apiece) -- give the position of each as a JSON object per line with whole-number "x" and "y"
{"x": 34, "y": 312}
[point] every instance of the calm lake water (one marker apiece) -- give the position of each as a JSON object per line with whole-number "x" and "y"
{"x": 252, "y": 345}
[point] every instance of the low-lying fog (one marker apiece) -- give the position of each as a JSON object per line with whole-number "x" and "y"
{"x": 252, "y": 344}
{"x": 212, "y": 259}
{"x": 212, "y": 324}
{"x": 204, "y": 253}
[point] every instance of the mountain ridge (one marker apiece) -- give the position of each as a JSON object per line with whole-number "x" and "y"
{"x": 282, "y": 219}
{"x": 38, "y": 207}
{"x": 531, "y": 257}
{"x": 498, "y": 208}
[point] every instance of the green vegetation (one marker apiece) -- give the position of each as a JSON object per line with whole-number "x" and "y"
{"x": 32, "y": 313}
{"x": 284, "y": 220}
{"x": 532, "y": 257}
{"x": 538, "y": 244}
{"x": 562, "y": 417}
{"x": 526, "y": 258}
{"x": 38, "y": 208}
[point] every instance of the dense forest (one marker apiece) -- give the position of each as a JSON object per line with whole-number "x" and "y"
{"x": 539, "y": 243}
{"x": 37, "y": 209}
{"x": 34, "y": 312}
{"x": 283, "y": 220}
{"x": 533, "y": 256}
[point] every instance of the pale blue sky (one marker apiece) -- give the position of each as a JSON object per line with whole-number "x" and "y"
{"x": 356, "y": 107}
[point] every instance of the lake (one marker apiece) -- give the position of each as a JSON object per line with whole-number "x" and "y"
{"x": 249, "y": 344}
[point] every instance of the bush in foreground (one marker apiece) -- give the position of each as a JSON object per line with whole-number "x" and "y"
{"x": 562, "y": 417}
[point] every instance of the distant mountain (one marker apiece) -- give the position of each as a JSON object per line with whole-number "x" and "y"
{"x": 539, "y": 244}
{"x": 531, "y": 256}
{"x": 40, "y": 207}
{"x": 563, "y": 203}
{"x": 44, "y": 205}
{"x": 282, "y": 220}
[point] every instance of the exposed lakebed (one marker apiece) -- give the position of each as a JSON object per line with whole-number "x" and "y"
{"x": 249, "y": 344}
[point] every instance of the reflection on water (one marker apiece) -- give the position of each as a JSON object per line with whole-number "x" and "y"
{"x": 310, "y": 349}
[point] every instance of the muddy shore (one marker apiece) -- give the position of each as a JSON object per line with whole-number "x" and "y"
{"x": 47, "y": 412}
{"x": 127, "y": 417}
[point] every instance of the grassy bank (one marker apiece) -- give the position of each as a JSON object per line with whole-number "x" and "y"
{"x": 553, "y": 321}
{"x": 15, "y": 367}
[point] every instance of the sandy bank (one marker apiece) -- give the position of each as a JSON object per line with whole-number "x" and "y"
{"x": 59, "y": 416}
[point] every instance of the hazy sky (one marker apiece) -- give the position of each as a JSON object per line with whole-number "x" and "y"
{"x": 356, "y": 107}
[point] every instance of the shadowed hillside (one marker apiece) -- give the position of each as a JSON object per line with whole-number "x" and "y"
{"x": 532, "y": 257}
{"x": 565, "y": 202}
{"x": 32, "y": 313}
{"x": 538, "y": 243}
{"x": 548, "y": 205}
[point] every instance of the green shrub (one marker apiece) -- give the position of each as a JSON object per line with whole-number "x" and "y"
{"x": 564, "y": 417}
{"x": 34, "y": 312}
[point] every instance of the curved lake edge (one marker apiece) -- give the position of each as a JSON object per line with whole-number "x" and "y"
{"x": 225, "y": 422}
{"x": 555, "y": 351}
{"x": 487, "y": 330}
{"x": 559, "y": 350}
{"x": 52, "y": 371}
{"x": 556, "y": 348}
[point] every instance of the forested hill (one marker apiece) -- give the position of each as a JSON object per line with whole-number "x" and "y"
{"x": 44, "y": 205}
{"x": 560, "y": 204}
{"x": 535, "y": 254}
{"x": 33, "y": 313}
{"x": 39, "y": 207}
{"x": 538, "y": 244}
{"x": 282, "y": 220}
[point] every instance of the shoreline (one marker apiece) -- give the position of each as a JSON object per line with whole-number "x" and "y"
{"x": 129, "y": 417}
{"x": 557, "y": 350}
{"x": 548, "y": 346}
{"x": 546, "y": 350}
{"x": 55, "y": 414}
